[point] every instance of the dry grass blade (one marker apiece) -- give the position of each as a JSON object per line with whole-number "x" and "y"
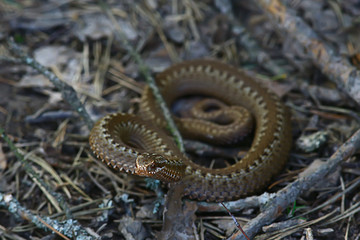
{"x": 348, "y": 213}
{"x": 116, "y": 75}
{"x": 334, "y": 198}
{"x": 102, "y": 54}
{"x": 72, "y": 184}
{"x": 150, "y": 81}
{"x": 51, "y": 195}
{"x": 102, "y": 68}
{"x": 68, "y": 92}
{"x": 323, "y": 55}
{"x": 155, "y": 20}
{"x": 46, "y": 167}
{"x": 290, "y": 230}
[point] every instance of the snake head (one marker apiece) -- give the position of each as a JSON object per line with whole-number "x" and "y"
{"x": 149, "y": 165}
{"x": 158, "y": 167}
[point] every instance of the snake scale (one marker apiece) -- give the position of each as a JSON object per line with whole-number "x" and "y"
{"x": 138, "y": 144}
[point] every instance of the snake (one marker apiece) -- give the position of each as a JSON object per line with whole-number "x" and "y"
{"x": 140, "y": 144}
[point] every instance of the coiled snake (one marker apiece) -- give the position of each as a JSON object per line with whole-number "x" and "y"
{"x": 140, "y": 145}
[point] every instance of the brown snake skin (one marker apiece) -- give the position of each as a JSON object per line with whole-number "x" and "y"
{"x": 135, "y": 144}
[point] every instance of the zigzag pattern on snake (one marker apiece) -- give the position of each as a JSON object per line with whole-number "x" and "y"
{"x": 140, "y": 145}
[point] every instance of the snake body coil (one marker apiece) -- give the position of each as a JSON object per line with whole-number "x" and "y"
{"x": 137, "y": 144}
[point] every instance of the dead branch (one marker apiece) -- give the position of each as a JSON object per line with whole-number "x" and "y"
{"x": 337, "y": 68}
{"x": 307, "y": 179}
{"x": 68, "y": 228}
{"x": 68, "y": 92}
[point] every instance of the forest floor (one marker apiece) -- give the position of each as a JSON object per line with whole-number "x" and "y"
{"x": 65, "y": 64}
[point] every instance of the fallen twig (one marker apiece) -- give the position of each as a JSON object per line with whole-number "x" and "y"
{"x": 311, "y": 176}
{"x": 68, "y": 93}
{"x": 337, "y": 68}
{"x": 236, "y": 222}
{"x": 235, "y": 206}
{"x": 66, "y": 229}
{"x": 54, "y": 197}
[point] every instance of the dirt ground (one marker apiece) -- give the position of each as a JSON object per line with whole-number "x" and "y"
{"x": 65, "y": 64}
